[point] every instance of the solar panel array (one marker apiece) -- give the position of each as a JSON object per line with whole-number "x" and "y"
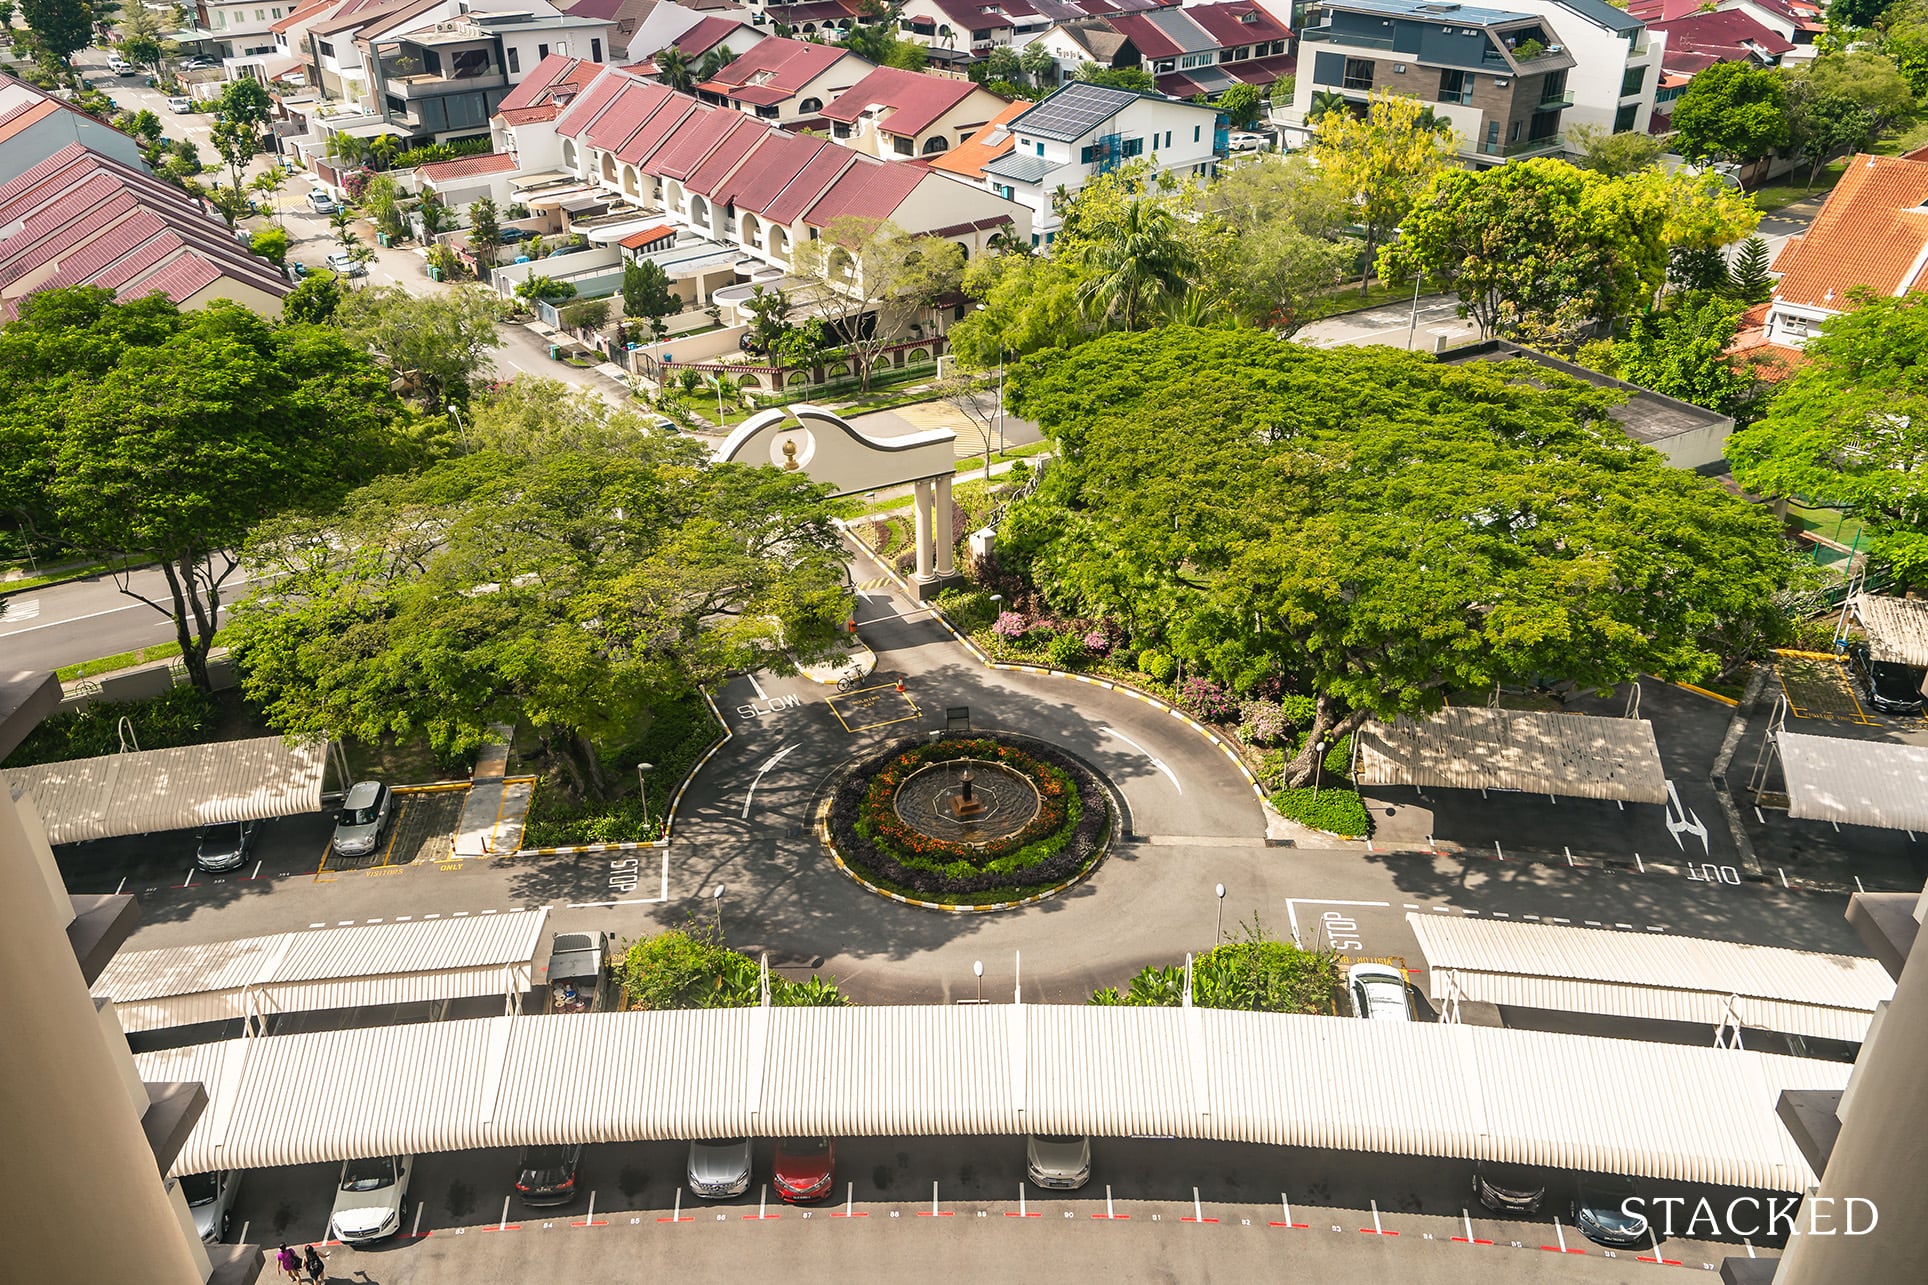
{"x": 1074, "y": 111}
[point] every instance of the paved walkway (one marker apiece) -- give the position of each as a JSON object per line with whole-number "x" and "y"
{"x": 497, "y": 807}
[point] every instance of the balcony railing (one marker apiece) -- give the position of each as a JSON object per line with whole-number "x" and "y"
{"x": 1326, "y": 35}
{"x": 1525, "y": 147}
{"x": 1559, "y": 98}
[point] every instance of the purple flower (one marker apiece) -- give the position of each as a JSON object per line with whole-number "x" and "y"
{"x": 1010, "y": 625}
{"x": 1096, "y": 642}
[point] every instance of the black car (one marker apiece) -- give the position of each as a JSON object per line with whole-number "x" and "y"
{"x": 1509, "y": 1189}
{"x": 1890, "y": 687}
{"x": 1603, "y": 1214}
{"x": 225, "y": 846}
{"x": 547, "y": 1175}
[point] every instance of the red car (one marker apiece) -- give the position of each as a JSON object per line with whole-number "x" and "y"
{"x": 803, "y": 1169}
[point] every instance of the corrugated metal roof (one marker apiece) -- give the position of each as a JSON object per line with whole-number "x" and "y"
{"x": 324, "y": 968}
{"x": 1897, "y": 628}
{"x": 145, "y": 791}
{"x": 1658, "y": 976}
{"x": 1568, "y": 1101}
{"x": 1466, "y": 747}
{"x": 1830, "y": 778}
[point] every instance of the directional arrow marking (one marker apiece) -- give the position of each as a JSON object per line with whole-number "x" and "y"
{"x": 1676, "y": 828}
{"x": 773, "y": 760}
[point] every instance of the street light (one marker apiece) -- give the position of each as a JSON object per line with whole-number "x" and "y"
{"x": 642, "y": 788}
{"x": 716, "y": 900}
{"x": 977, "y": 966}
{"x": 1318, "y": 763}
{"x": 459, "y": 426}
{"x": 1218, "y": 931}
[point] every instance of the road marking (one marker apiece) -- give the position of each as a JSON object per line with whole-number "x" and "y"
{"x": 72, "y": 620}
{"x": 317, "y": 925}
{"x": 757, "y": 687}
{"x": 122, "y": 884}
{"x": 344, "y": 923}
{"x": 773, "y": 760}
{"x": 1155, "y": 760}
{"x": 22, "y": 608}
{"x": 1292, "y": 912}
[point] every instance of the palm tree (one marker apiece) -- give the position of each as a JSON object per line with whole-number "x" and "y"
{"x": 1323, "y": 101}
{"x": 269, "y": 183}
{"x": 673, "y": 69}
{"x": 713, "y": 62}
{"x": 1141, "y": 263}
{"x": 383, "y": 150}
{"x": 728, "y": 389}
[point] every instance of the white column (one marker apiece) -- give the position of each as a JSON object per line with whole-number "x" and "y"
{"x": 946, "y": 538}
{"x": 922, "y": 492}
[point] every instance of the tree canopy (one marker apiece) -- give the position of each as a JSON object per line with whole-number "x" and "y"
{"x": 1731, "y": 111}
{"x": 1382, "y": 161}
{"x": 1377, "y": 528}
{"x": 1850, "y": 428}
{"x": 436, "y": 344}
{"x": 135, "y": 430}
{"x": 539, "y": 581}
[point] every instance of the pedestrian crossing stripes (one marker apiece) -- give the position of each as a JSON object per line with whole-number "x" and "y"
{"x": 19, "y": 608}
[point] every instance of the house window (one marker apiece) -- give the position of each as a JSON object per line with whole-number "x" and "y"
{"x": 1553, "y": 88}
{"x": 1040, "y": 147}
{"x": 1456, "y": 87}
{"x": 1633, "y": 81}
{"x": 1624, "y": 118}
{"x": 1492, "y": 135}
{"x": 901, "y": 145}
{"x": 1197, "y": 132}
{"x": 515, "y": 62}
{"x": 542, "y": 51}
{"x": 327, "y": 50}
{"x": 1134, "y": 147}
{"x": 841, "y": 129}
{"x": 1197, "y": 60}
{"x": 1513, "y": 131}
{"x": 595, "y": 49}
{"x": 1003, "y": 190}
{"x": 811, "y": 106}
{"x": 1168, "y": 140}
{"x": 1087, "y": 154}
{"x": 1358, "y": 74}
{"x": 1162, "y": 65}
{"x": 766, "y": 113}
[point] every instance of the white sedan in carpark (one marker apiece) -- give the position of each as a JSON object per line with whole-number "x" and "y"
{"x": 1378, "y": 992}
{"x": 371, "y": 1199}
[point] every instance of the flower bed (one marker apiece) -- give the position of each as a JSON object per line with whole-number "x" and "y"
{"x": 1064, "y": 839}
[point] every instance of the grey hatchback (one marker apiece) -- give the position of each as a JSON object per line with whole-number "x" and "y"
{"x": 363, "y": 817}
{"x": 225, "y": 846}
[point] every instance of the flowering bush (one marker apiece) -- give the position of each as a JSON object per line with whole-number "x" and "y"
{"x": 1261, "y": 723}
{"x": 1204, "y": 699}
{"x": 1096, "y": 643}
{"x": 1065, "y": 651}
{"x": 1010, "y": 625}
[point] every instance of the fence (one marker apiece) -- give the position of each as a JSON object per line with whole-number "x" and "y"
{"x": 767, "y": 380}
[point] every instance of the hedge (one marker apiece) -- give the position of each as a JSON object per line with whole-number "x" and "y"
{"x": 1338, "y": 809}
{"x": 179, "y": 716}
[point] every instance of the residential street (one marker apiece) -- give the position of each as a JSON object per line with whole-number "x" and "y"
{"x": 61, "y": 624}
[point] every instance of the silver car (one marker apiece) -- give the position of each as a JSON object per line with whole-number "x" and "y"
{"x": 1057, "y": 1162}
{"x": 371, "y": 1199}
{"x": 210, "y": 1198}
{"x": 363, "y": 817}
{"x": 225, "y": 846}
{"x": 719, "y": 1167}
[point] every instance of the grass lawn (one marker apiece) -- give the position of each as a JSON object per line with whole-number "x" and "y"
{"x": 125, "y": 660}
{"x": 1346, "y": 298}
{"x": 1774, "y": 196}
{"x": 51, "y": 575}
{"x": 1830, "y": 524}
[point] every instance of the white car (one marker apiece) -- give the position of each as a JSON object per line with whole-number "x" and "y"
{"x": 320, "y": 202}
{"x": 118, "y": 65}
{"x": 346, "y": 264}
{"x": 1378, "y": 992}
{"x": 180, "y": 104}
{"x": 719, "y": 1168}
{"x": 371, "y": 1199}
{"x": 1246, "y": 141}
{"x": 210, "y": 1198}
{"x": 1057, "y": 1163}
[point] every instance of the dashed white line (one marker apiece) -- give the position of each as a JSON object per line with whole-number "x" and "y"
{"x": 1469, "y": 912}
{"x": 1442, "y": 910}
{"x": 1411, "y": 906}
{"x": 431, "y": 916}
{"x": 1535, "y": 918}
{"x": 1594, "y": 923}
{"x": 374, "y": 921}
{"x": 488, "y": 912}
{"x": 317, "y": 925}
{"x": 461, "y": 914}
{"x": 1652, "y": 929}
{"x": 345, "y": 923}
{"x": 1558, "y": 920}
{"x": 402, "y": 919}
{"x": 1628, "y": 927}
{"x": 1500, "y": 914}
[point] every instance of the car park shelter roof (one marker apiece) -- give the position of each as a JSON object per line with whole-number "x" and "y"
{"x": 324, "y": 968}
{"x": 1409, "y": 1088}
{"x": 144, "y": 791}
{"x": 1897, "y": 628}
{"x": 1649, "y": 975}
{"x": 1471, "y": 747}
{"x": 1831, "y": 778}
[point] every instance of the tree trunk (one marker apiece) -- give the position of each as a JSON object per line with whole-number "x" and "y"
{"x": 580, "y": 763}
{"x": 1326, "y": 727}
{"x": 197, "y": 640}
{"x": 1365, "y": 274}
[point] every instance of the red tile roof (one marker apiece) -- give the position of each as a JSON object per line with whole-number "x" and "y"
{"x": 661, "y": 124}
{"x": 634, "y": 104}
{"x": 466, "y": 167}
{"x": 528, "y": 115}
{"x": 816, "y": 177}
{"x": 915, "y": 101}
{"x": 709, "y": 33}
{"x": 557, "y": 75}
{"x": 1146, "y": 38}
{"x": 1729, "y": 35}
{"x": 770, "y": 170}
{"x": 637, "y": 240}
{"x": 588, "y": 103}
{"x": 969, "y": 157}
{"x": 778, "y": 64}
{"x": 1237, "y": 22}
{"x": 691, "y": 143}
{"x": 301, "y": 13}
{"x": 867, "y": 190}
{"x": 1872, "y": 232}
{"x": 723, "y": 159}
{"x": 25, "y": 115}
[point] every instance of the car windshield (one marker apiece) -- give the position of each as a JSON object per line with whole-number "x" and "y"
{"x": 805, "y": 1146}
{"x": 200, "y": 1188}
{"x": 545, "y": 1159}
{"x": 1059, "y": 1140}
{"x": 368, "y": 1175}
{"x": 359, "y": 816}
{"x": 721, "y": 1143}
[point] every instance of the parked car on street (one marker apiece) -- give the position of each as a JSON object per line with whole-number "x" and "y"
{"x": 346, "y": 264}
{"x": 118, "y": 65}
{"x": 371, "y": 1200}
{"x": 210, "y": 1198}
{"x": 1378, "y": 992}
{"x": 719, "y": 1168}
{"x": 547, "y": 1175}
{"x": 195, "y": 64}
{"x": 804, "y": 1168}
{"x": 1246, "y": 141}
{"x": 1890, "y": 687}
{"x": 1509, "y": 1189}
{"x": 180, "y": 104}
{"x": 1599, "y": 1211}
{"x": 320, "y": 202}
{"x": 1059, "y": 1162}
{"x": 364, "y": 812}
{"x": 225, "y": 846}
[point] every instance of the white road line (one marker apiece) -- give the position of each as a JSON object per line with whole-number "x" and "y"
{"x": 488, "y": 912}
{"x": 1292, "y": 910}
{"x": 72, "y": 620}
{"x": 1593, "y": 923}
{"x": 345, "y": 923}
{"x": 1155, "y": 760}
{"x": 1558, "y": 920}
{"x": 1628, "y": 927}
{"x": 773, "y": 760}
{"x": 431, "y": 916}
{"x": 257, "y": 868}
{"x": 757, "y": 687}
{"x": 460, "y": 914}
{"x": 120, "y": 885}
{"x": 402, "y": 919}
{"x": 189, "y": 881}
{"x": 22, "y": 608}
{"x": 374, "y": 921}
{"x": 317, "y": 925}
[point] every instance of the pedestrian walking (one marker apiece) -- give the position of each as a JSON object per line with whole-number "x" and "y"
{"x": 289, "y": 1264}
{"x": 311, "y": 1262}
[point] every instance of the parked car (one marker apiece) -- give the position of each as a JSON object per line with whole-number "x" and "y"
{"x": 371, "y": 1200}
{"x": 1599, "y": 1211}
{"x": 1509, "y": 1189}
{"x": 804, "y": 1168}
{"x": 210, "y": 1198}
{"x": 1378, "y": 992}
{"x": 225, "y": 846}
{"x": 195, "y": 64}
{"x": 719, "y": 1168}
{"x": 320, "y": 202}
{"x": 509, "y": 236}
{"x": 118, "y": 65}
{"x": 346, "y": 264}
{"x": 576, "y": 965}
{"x": 1890, "y": 687}
{"x": 364, "y": 812}
{"x": 547, "y": 1175}
{"x": 1059, "y": 1162}
{"x": 180, "y": 104}
{"x": 1246, "y": 141}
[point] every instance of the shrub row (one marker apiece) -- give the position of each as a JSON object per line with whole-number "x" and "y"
{"x": 180, "y": 716}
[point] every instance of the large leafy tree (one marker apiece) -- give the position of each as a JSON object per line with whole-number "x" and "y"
{"x": 1731, "y": 111}
{"x": 1823, "y": 126}
{"x": 1850, "y": 428}
{"x": 60, "y": 27}
{"x": 1615, "y": 155}
{"x": 241, "y": 110}
{"x": 1383, "y": 161}
{"x": 569, "y": 583}
{"x": 1270, "y": 242}
{"x": 436, "y": 344}
{"x": 1377, "y": 528}
{"x": 648, "y": 295}
{"x": 1680, "y": 350}
{"x": 139, "y": 432}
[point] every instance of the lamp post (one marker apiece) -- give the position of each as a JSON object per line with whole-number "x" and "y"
{"x": 977, "y": 966}
{"x": 716, "y": 901}
{"x": 1218, "y": 930}
{"x": 642, "y": 788}
{"x": 1318, "y": 763}
{"x": 460, "y": 427}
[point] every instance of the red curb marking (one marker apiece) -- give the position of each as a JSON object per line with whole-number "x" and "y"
{"x": 760, "y": 1218}
{"x": 1012, "y": 1213}
{"x": 1189, "y": 1219}
{"x": 1302, "y": 1226}
{"x": 1367, "y": 1231}
{"x": 928, "y": 1214}
{"x": 686, "y": 1218}
{"x": 510, "y": 1227}
{"x": 597, "y": 1223}
{"x": 1462, "y": 1240}
{"x": 1664, "y": 1262}
{"x": 858, "y": 1214}
{"x": 1107, "y": 1217}
{"x": 1556, "y": 1249}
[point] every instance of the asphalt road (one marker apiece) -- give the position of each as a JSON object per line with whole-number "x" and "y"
{"x": 60, "y": 624}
